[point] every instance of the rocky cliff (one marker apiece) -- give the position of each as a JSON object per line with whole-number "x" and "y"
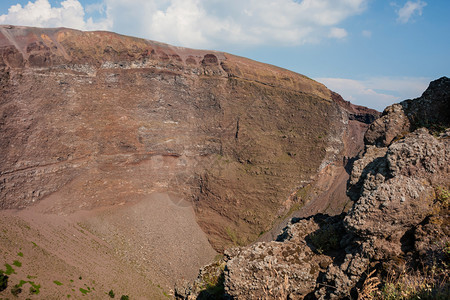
{"x": 94, "y": 118}
{"x": 394, "y": 241}
{"x": 125, "y": 161}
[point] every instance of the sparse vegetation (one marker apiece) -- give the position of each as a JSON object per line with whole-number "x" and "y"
{"x": 214, "y": 287}
{"x": 212, "y": 283}
{"x": 84, "y": 291}
{"x": 111, "y": 294}
{"x": 9, "y": 270}
{"x": 427, "y": 283}
{"x": 124, "y": 297}
{"x": 442, "y": 195}
{"x": 17, "y": 263}
{"x": 370, "y": 287}
{"x": 57, "y": 282}
{"x": 34, "y": 288}
{"x": 415, "y": 285}
{"x": 234, "y": 237}
{"x": 16, "y": 290}
{"x": 435, "y": 128}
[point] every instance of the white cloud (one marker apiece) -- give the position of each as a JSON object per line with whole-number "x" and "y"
{"x": 337, "y": 33}
{"x": 40, "y": 13}
{"x": 410, "y": 9}
{"x": 367, "y": 33}
{"x": 377, "y": 92}
{"x": 198, "y": 23}
{"x": 95, "y": 8}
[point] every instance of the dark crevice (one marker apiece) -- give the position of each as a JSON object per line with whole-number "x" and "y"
{"x": 237, "y": 129}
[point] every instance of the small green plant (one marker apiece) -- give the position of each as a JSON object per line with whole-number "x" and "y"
{"x": 57, "y": 282}
{"x": 442, "y": 195}
{"x": 84, "y": 292}
{"x": 111, "y": 294}
{"x": 9, "y": 270}
{"x": 16, "y": 290}
{"x": 33, "y": 290}
{"x": 20, "y": 254}
{"x": 17, "y": 263}
{"x": 124, "y": 297}
{"x": 22, "y": 282}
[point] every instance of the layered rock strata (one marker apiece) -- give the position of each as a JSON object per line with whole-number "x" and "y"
{"x": 95, "y": 118}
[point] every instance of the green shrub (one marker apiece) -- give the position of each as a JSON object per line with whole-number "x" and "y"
{"x": 111, "y": 294}
{"x": 16, "y": 290}
{"x": 33, "y": 290}
{"x": 57, "y": 282}
{"x": 442, "y": 195}
{"x": 17, "y": 263}
{"x": 9, "y": 269}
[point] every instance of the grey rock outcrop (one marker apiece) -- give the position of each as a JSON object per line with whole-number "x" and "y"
{"x": 396, "y": 184}
{"x": 431, "y": 110}
{"x": 400, "y": 218}
{"x": 288, "y": 267}
{"x": 395, "y": 199}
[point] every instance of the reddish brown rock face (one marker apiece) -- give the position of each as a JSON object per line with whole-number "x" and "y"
{"x": 95, "y": 118}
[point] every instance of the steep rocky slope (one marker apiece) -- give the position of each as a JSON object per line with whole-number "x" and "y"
{"x": 157, "y": 151}
{"x": 394, "y": 241}
{"x": 96, "y": 119}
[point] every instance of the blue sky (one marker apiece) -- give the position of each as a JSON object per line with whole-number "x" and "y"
{"x": 372, "y": 52}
